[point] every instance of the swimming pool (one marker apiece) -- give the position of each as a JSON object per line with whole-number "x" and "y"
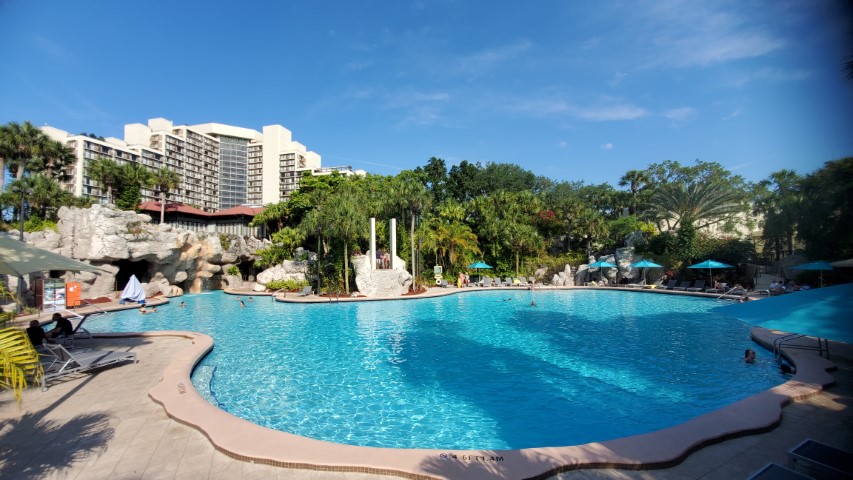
{"x": 482, "y": 370}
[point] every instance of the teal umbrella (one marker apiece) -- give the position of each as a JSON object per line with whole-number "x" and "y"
{"x": 820, "y": 265}
{"x": 478, "y": 266}
{"x": 601, "y": 264}
{"x": 709, "y": 264}
{"x": 644, "y": 264}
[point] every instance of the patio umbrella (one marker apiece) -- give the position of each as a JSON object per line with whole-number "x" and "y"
{"x": 478, "y": 266}
{"x": 709, "y": 264}
{"x": 20, "y": 259}
{"x": 644, "y": 264}
{"x": 819, "y": 265}
{"x": 601, "y": 264}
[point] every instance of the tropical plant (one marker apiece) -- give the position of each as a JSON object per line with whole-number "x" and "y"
{"x": 827, "y": 211}
{"x": 411, "y": 196}
{"x": 19, "y": 361}
{"x": 233, "y": 270}
{"x": 105, "y": 172}
{"x": 133, "y": 177}
{"x": 19, "y": 143}
{"x": 635, "y": 180}
{"x": 701, "y": 204}
{"x": 777, "y": 199}
{"x": 164, "y": 180}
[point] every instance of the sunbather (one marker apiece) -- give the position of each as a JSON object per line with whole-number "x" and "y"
{"x": 61, "y": 327}
{"x": 36, "y": 333}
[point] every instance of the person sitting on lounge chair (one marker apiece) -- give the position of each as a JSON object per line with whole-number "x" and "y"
{"x": 36, "y": 333}
{"x": 62, "y": 327}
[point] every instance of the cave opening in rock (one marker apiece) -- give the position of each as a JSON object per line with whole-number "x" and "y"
{"x": 247, "y": 270}
{"x": 126, "y": 268}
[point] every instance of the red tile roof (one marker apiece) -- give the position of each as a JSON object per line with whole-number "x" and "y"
{"x": 172, "y": 207}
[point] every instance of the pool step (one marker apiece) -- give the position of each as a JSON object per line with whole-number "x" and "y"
{"x": 203, "y": 380}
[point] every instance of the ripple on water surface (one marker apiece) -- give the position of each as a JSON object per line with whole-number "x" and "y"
{"x": 481, "y": 370}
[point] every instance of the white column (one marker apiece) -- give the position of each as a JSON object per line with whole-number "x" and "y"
{"x": 372, "y": 243}
{"x": 393, "y": 243}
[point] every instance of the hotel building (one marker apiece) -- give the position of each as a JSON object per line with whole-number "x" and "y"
{"x": 219, "y": 166}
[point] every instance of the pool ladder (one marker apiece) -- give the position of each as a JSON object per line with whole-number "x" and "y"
{"x": 822, "y": 346}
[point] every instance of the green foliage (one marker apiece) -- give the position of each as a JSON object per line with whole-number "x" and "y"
{"x": 289, "y": 285}
{"x": 36, "y": 224}
{"x": 129, "y": 198}
{"x": 233, "y": 270}
{"x": 826, "y": 213}
{"x": 225, "y": 241}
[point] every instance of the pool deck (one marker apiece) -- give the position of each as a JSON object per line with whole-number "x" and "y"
{"x": 106, "y": 426}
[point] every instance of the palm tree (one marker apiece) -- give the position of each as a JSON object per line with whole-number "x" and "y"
{"x": 410, "y": 193}
{"x": 19, "y": 143}
{"x": 699, "y": 203}
{"x": 45, "y": 193}
{"x": 164, "y": 180}
{"x": 521, "y": 238}
{"x": 133, "y": 177}
{"x": 345, "y": 215}
{"x": 105, "y": 172}
{"x": 636, "y": 180}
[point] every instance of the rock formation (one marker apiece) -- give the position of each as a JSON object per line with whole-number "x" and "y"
{"x": 381, "y": 282}
{"x": 175, "y": 260}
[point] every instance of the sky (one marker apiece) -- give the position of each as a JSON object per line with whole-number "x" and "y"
{"x": 568, "y": 89}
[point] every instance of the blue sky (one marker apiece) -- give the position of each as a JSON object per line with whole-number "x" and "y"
{"x": 571, "y": 90}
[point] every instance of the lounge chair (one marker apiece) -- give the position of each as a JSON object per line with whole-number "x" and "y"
{"x": 531, "y": 280}
{"x": 486, "y": 282}
{"x": 671, "y": 284}
{"x": 77, "y": 330}
{"x": 657, "y": 284}
{"x": 682, "y": 286}
{"x": 523, "y": 282}
{"x": 306, "y": 290}
{"x": 59, "y": 362}
{"x": 697, "y": 287}
{"x": 507, "y": 282}
{"x": 636, "y": 285}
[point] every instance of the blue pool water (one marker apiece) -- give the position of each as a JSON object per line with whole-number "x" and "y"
{"x": 480, "y": 370}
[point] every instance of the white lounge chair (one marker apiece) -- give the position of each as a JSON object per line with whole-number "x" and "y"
{"x": 59, "y": 362}
{"x": 306, "y": 290}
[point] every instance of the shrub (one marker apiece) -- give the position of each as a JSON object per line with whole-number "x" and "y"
{"x": 286, "y": 285}
{"x": 224, "y": 241}
{"x": 233, "y": 270}
{"x": 35, "y": 224}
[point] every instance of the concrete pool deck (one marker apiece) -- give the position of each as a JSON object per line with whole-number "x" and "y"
{"x": 111, "y": 429}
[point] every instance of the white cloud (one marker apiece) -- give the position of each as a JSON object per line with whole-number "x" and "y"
{"x": 562, "y": 144}
{"x": 607, "y": 113}
{"x": 607, "y": 146}
{"x": 734, "y": 114}
{"x": 682, "y": 113}
{"x": 617, "y": 79}
{"x": 686, "y": 34}
{"x": 488, "y": 59}
{"x": 770, "y": 74}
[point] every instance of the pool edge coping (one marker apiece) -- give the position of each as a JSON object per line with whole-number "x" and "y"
{"x": 248, "y": 442}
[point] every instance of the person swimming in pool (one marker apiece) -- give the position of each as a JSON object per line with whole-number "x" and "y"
{"x": 749, "y": 355}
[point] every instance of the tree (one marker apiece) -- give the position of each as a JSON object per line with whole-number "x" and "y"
{"x": 106, "y": 172}
{"x": 521, "y": 238}
{"x": 164, "y": 180}
{"x": 410, "y": 195}
{"x": 19, "y": 144}
{"x": 46, "y": 195}
{"x": 435, "y": 178}
{"x": 635, "y": 180}
{"x": 777, "y": 199}
{"x": 347, "y": 222}
{"x": 133, "y": 177}
{"x": 699, "y": 204}
{"x": 827, "y": 211}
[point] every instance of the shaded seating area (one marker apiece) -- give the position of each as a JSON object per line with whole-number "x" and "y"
{"x": 59, "y": 362}
{"x": 684, "y": 285}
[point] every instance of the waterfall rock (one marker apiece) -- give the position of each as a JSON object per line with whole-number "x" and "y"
{"x": 381, "y": 282}
{"x": 101, "y": 235}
